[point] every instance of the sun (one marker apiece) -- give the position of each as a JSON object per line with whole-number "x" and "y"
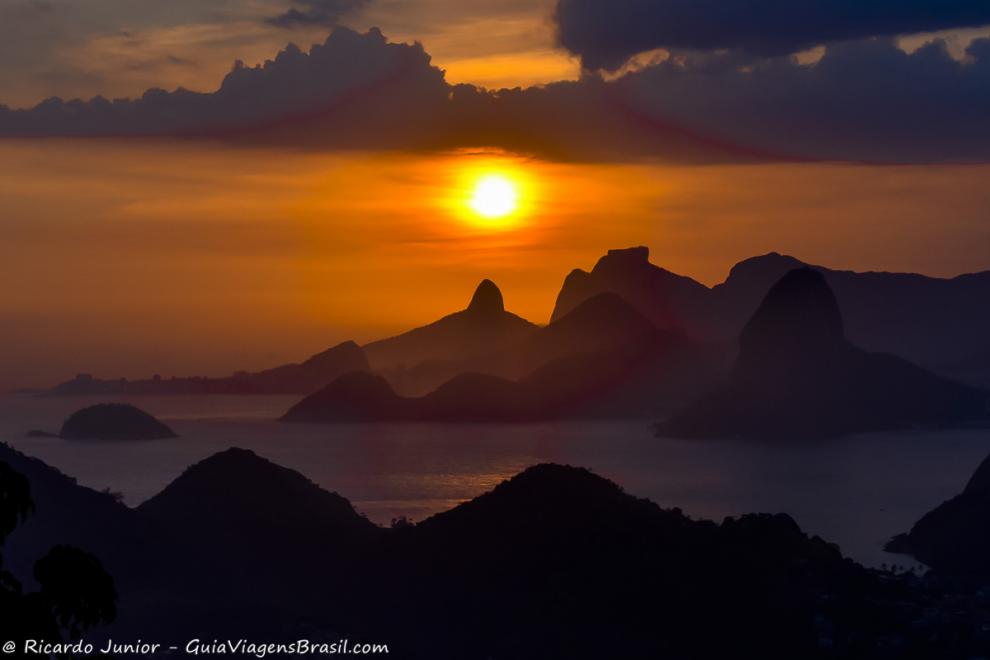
{"x": 494, "y": 196}
{"x": 488, "y": 193}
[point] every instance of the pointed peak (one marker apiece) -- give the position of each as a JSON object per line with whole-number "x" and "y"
{"x": 487, "y": 299}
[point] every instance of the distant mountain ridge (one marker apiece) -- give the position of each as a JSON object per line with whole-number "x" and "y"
{"x": 603, "y": 359}
{"x": 667, "y": 299}
{"x": 301, "y": 378}
{"x": 797, "y": 376}
{"x": 602, "y": 323}
{"x": 942, "y": 324}
{"x": 928, "y": 320}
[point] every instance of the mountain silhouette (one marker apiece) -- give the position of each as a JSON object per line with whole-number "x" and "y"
{"x": 310, "y": 375}
{"x": 236, "y": 492}
{"x": 231, "y": 540}
{"x": 618, "y": 384}
{"x": 587, "y": 386}
{"x": 667, "y": 299}
{"x": 650, "y": 577}
{"x": 938, "y": 323}
{"x": 797, "y": 375}
{"x": 930, "y": 321}
{"x": 67, "y": 513}
{"x": 483, "y": 327}
{"x": 356, "y": 396}
{"x": 603, "y": 359}
{"x": 604, "y": 322}
{"x": 935, "y": 322}
{"x": 606, "y": 359}
{"x": 301, "y": 378}
{"x": 74, "y": 593}
{"x": 473, "y": 397}
{"x": 954, "y": 537}
{"x": 555, "y": 562}
{"x": 732, "y": 302}
{"x": 369, "y": 397}
{"x": 114, "y": 421}
{"x": 600, "y": 324}
{"x": 487, "y": 300}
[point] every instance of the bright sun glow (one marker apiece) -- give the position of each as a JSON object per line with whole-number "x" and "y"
{"x": 494, "y": 196}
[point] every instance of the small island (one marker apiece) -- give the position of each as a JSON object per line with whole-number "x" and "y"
{"x": 114, "y": 421}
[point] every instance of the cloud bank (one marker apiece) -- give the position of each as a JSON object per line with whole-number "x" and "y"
{"x": 864, "y": 100}
{"x": 606, "y": 34}
{"x": 867, "y": 100}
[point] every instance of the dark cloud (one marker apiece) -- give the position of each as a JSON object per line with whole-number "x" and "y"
{"x": 315, "y": 12}
{"x": 867, "y": 100}
{"x": 864, "y": 100}
{"x": 605, "y": 33}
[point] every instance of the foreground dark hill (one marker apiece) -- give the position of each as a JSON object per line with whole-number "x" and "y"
{"x": 66, "y": 513}
{"x": 114, "y": 421}
{"x": 253, "y": 533}
{"x": 797, "y": 375}
{"x": 954, "y": 537}
{"x": 483, "y": 327}
{"x": 234, "y": 540}
{"x": 652, "y": 580}
{"x": 930, "y": 321}
{"x": 236, "y": 491}
{"x": 301, "y": 378}
{"x": 553, "y": 563}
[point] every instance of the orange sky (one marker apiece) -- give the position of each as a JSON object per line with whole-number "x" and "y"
{"x": 131, "y": 258}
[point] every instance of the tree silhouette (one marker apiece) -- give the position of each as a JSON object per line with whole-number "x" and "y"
{"x": 75, "y": 594}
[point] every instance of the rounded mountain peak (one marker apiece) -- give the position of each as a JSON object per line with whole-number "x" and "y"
{"x": 799, "y": 309}
{"x": 487, "y": 299}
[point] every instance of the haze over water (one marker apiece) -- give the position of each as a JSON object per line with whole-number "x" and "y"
{"x": 855, "y": 491}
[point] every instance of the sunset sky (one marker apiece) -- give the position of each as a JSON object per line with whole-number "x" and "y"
{"x": 300, "y": 198}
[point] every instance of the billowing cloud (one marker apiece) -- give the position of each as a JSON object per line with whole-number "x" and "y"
{"x": 605, "y": 33}
{"x": 315, "y": 12}
{"x": 122, "y": 47}
{"x": 349, "y": 71}
{"x": 866, "y": 100}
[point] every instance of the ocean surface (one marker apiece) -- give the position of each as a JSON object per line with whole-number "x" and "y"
{"x": 855, "y": 491}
